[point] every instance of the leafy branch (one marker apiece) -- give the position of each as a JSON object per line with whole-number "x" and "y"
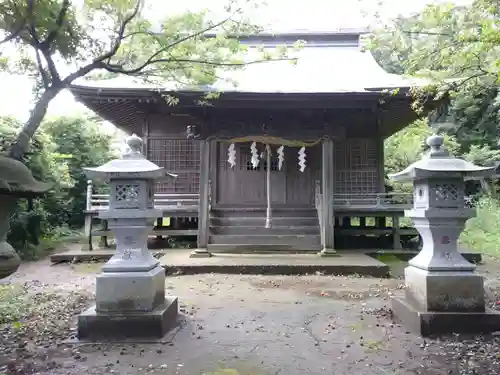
{"x": 50, "y": 32}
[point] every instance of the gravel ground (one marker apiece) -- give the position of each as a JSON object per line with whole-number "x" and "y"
{"x": 236, "y": 325}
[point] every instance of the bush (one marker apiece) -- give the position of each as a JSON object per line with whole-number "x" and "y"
{"x": 482, "y": 232}
{"x": 58, "y": 153}
{"x": 408, "y": 145}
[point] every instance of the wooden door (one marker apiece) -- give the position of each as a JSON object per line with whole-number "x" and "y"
{"x": 244, "y": 185}
{"x": 300, "y": 186}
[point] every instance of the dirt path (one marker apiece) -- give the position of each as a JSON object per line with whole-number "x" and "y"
{"x": 240, "y": 325}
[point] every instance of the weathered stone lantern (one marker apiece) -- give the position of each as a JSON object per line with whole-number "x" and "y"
{"x": 443, "y": 294}
{"x": 130, "y": 291}
{"x": 16, "y": 181}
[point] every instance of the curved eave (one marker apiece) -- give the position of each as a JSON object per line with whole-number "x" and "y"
{"x": 128, "y": 108}
{"x": 191, "y": 98}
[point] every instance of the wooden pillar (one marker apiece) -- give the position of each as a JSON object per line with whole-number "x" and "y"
{"x": 380, "y": 164}
{"x": 204, "y": 205}
{"x": 87, "y": 229}
{"x": 396, "y": 234}
{"x": 214, "y": 172}
{"x": 268, "y": 188}
{"x": 145, "y": 138}
{"x": 327, "y": 187}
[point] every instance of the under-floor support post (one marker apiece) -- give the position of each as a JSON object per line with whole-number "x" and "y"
{"x": 396, "y": 234}
{"x": 327, "y": 185}
{"x": 362, "y": 222}
{"x": 380, "y": 222}
{"x": 204, "y": 210}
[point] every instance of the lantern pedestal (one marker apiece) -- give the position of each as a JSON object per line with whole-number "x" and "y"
{"x": 129, "y": 304}
{"x": 464, "y": 312}
{"x": 443, "y": 294}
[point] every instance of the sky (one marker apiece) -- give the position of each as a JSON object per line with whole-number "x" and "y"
{"x": 282, "y": 15}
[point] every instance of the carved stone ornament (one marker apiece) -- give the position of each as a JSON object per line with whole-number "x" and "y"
{"x": 16, "y": 181}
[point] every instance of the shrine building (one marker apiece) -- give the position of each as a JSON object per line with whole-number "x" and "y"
{"x": 291, "y": 159}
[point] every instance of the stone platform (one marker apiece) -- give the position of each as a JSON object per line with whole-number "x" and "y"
{"x": 80, "y": 255}
{"x": 178, "y": 261}
{"x": 154, "y": 324}
{"x": 438, "y": 323}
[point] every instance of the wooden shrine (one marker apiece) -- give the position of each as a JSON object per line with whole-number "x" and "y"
{"x": 290, "y": 160}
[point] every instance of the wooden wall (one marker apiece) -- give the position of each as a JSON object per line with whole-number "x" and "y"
{"x": 168, "y": 147}
{"x": 358, "y": 167}
{"x": 245, "y": 185}
{"x": 358, "y": 170}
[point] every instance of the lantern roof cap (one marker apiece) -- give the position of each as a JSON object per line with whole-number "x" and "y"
{"x": 438, "y": 161}
{"x": 16, "y": 179}
{"x": 131, "y": 164}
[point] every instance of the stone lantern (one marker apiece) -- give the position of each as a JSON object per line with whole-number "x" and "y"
{"x": 130, "y": 291}
{"x": 443, "y": 294}
{"x": 16, "y": 181}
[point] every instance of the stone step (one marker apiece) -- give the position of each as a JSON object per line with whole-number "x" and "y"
{"x": 266, "y": 239}
{"x": 262, "y": 230}
{"x": 261, "y": 212}
{"x": 264, "y": 248}
{"x": 260, "y": 221}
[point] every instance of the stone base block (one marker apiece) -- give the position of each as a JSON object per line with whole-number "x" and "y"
{"x": 110, "y": 326}
{"x": 328, "y": 253}
{"x": 444, "y": 291}
{"x": 200, "y": 253}
{"x": 428, "y": 323}
{"x": 130, "y": 291}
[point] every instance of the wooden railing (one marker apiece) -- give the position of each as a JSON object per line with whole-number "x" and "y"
{"x": 96, "y": 202}
{"x": 171, "y": 205}
{"x": 373, "y": 201}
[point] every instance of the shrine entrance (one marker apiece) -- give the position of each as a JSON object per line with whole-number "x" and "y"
{"x": 246, "y": 184}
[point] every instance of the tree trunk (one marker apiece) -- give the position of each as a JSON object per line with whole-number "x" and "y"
{"x": 20, "y": 146}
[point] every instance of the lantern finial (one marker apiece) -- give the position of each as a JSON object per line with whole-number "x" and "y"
{"x": 134, "y": 144}
{"x": 435, "y": 142}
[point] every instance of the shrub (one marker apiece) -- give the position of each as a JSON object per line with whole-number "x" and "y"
{"x": 482, "y": 232}
{"x": 58, "y": 153}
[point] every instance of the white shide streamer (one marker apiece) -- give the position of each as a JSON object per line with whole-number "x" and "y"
{"x": 255, "y": 155}
{"x": 231, "y": 155}
{"x": 281, "y": 157}
{"x": 302, "y": 159}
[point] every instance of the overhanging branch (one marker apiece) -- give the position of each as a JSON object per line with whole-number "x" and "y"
{"x": 52, "y": 66}
{"x": 99, "y": 61}
{"x": 121, "y": 32}
{"x": 43, "y": 73}
{"x": 22, "y": 24}
{"x": 61, "y": 16}
{"x": 120, "y": 70}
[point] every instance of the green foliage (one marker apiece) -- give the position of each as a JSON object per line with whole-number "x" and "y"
{"x": 13, "y": 304}
{"x": 58, "y": 154}
{"x": 408, "y": 146}
{"x": 458, "y": 48}
{"x": 481, "y": 232}
{"x": 482, "y": 155}
{"x": 118, "y": 36}
{"x": 78, "y": 143}
{"x": 55, "y": 42}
